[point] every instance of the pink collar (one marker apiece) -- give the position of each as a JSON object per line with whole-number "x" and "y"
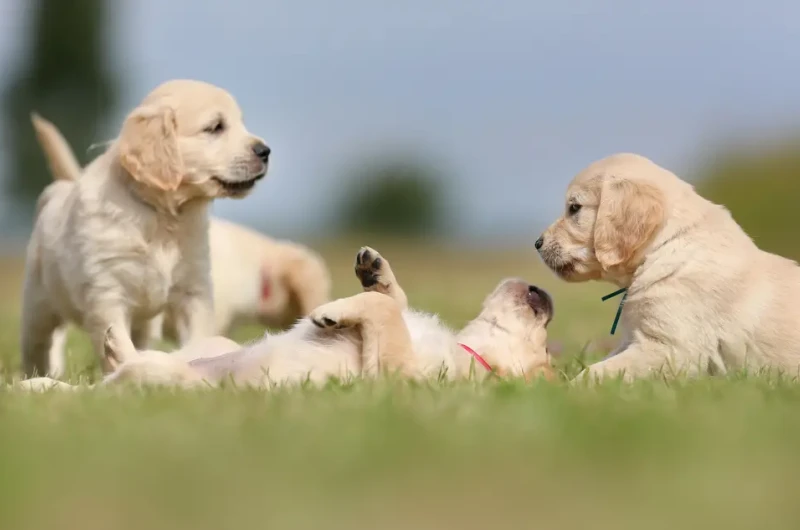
{"x": 477, "y": 357}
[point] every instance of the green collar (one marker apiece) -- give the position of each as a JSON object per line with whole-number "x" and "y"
{"x": 619, "y": 310}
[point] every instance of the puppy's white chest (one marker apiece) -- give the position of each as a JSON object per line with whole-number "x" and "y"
{"x": 158, "y": 275}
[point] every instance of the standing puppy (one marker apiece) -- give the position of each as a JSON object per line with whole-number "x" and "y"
{"x": 129, "y": 238}
{"x": 254, "y": 277}
{"x": 701, "y": 296}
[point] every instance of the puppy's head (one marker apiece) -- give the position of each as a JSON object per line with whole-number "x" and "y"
{"x": 511, "y": 330}
{"x": 613, "y": 210}
{"x": 187, "y": 138}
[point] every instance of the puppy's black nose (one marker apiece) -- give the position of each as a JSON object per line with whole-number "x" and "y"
{"x": 262, "y": 151}
{"x": 539, "y": 243}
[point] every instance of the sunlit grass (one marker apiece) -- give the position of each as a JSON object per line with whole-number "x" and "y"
{"x": 714, "y": 453}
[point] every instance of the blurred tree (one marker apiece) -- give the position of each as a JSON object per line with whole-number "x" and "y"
{"x": 393, "y": 195}
{"x": 761, "y": 188}
{"x": 64, "y": 76}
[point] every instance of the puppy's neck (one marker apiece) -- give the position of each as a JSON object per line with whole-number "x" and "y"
{"x": 482, "y": 335}
{"x": 167, "y": 207}
{"x": 622, "y": 276}
{"x": 507, "y": 347}
{"x": 668, "y": 252}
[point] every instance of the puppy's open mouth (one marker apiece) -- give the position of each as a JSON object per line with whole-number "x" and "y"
{"x": 237, "y": 187}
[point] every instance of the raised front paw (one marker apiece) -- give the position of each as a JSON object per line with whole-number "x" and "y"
{"x": 370, "y": 268}
{"x": 332, "y": 315}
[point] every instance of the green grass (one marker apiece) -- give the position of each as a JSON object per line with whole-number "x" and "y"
{"x": 716, "y": 453}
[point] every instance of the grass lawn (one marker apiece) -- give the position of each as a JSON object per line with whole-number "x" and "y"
{"x": 715, "y": 453}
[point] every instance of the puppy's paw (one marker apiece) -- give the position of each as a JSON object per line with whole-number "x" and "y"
{"x": 333, "y": 315}
{"x": 370, "y": 269}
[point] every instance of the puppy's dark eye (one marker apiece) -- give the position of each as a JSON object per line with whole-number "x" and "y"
{"x": 216, "y": 127}
{"x": 574, "y": 208}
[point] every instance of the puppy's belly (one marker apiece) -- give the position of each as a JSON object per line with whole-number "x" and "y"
{"x": 286, "y": 359}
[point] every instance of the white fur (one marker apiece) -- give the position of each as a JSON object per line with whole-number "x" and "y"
{"x": 116, "y": 245}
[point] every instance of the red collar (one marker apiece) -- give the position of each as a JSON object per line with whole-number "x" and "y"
{"x": 477, "y": 357}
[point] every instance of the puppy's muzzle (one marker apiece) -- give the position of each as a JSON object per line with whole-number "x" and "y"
{"x": 551, "y": 255}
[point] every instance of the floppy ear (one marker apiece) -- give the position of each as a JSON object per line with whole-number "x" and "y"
{"x": 148, "y": 147}
{"x": 628, "y": 218}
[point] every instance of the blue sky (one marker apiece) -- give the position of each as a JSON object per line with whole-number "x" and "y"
{"x": 512, "y": 97}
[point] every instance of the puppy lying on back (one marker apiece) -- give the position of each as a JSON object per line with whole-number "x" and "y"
{"x": 254, "y": 277}
{"x": 702, "y": 297}
{"x": 364, "y": 335}
{"x": 129, "y": 238}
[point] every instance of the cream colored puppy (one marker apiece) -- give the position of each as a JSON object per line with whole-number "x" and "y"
{"x": 254, "y": 277}
{"x": 129, "y": 238}
{"x": 364, "y": 335}
{"x": 259, "y": 278}
{"x": 701, "y": 296}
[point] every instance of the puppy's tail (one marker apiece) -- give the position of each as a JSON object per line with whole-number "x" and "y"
{"x": 60, "y": 158}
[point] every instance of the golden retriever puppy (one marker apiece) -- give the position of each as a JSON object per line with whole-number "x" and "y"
{"x": 258, "y": 278}
{"x": 129, "y": 238}
{"x": 701, "y": 296}
{"x": 254, "y": 277}
{"x": 367, "y": 334}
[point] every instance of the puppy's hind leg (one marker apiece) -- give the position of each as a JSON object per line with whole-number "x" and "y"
{"x": 155, "y": 369}
{"x": 108, "y": 321}
{"x": 386, "y": 342}
{"x": 43, "y": 384}
{"x": 39, "y": 324}
{"x": 376, "y": 275}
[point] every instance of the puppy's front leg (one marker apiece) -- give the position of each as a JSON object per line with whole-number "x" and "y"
{"x": 155, "y": 329}
{"x": 194, "y": 314}
{"x": 386, "y": 343}
{"x": 645, "y": 359}
{"x": 376, "y": 275}
{"x": 190, "y": 303}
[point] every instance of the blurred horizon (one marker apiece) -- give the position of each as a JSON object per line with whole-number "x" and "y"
{"x": 507, "y": 100}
